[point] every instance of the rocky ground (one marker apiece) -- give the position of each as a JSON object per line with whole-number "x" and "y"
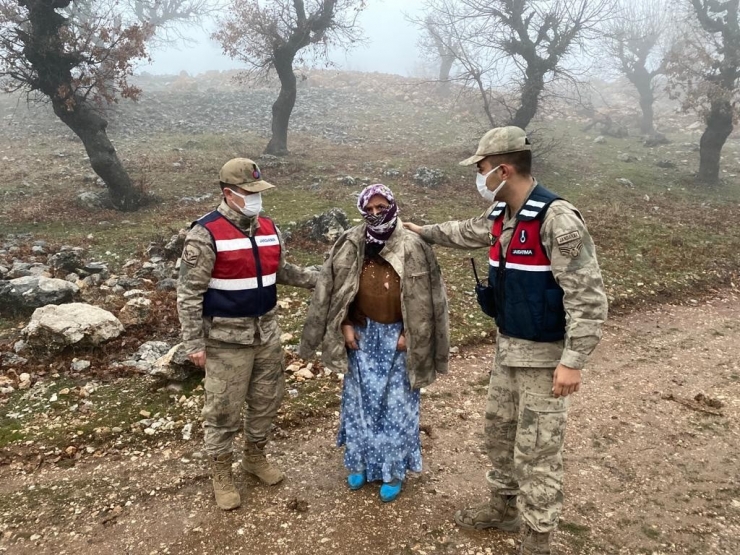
{"x": 651, "y": 455}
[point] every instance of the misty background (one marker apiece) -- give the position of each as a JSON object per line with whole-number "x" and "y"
{"x": 390, "y": 46}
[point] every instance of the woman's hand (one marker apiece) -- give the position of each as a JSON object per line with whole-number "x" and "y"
{"x": 401, "y": 345}
{"x": 350, "y": 337}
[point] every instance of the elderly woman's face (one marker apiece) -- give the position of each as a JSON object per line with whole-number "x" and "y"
{"x": 377, "y": 204}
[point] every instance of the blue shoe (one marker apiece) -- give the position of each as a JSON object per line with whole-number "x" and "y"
{"x": 356, "y": 480}
{"x": 389, "y": 491}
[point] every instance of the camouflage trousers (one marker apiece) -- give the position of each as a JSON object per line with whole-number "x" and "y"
{"x": 236, "y": 374}
{"x": 525, "y": 431}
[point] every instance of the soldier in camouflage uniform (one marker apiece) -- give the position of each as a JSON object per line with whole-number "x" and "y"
{"x": 226, "y": 299}
{"x": 547, "y": 296}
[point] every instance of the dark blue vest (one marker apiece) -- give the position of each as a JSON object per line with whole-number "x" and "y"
{"x": 529, "y": 302}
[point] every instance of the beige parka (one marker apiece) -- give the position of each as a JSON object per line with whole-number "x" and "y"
{"x": 423, "y": 303}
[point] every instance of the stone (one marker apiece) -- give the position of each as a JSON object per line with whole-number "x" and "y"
{"x": 656, "y": 140}
{"x": 175, "y": 365}
{"x": 79, "y": 365}
{"x": 668, "y": 164}
{"x": 151, "y": 351}
{"x": 24, "y": 294}
{"x": 96, "y": 268}
{"x": 624, "y": 157}
{"x": 54, "y": 327}
{"x": 173, "y": 248}
{"x": 305, "y": 373}
{"x": 135, "y": 312}
{"x": 429, "y": 178}
{"x": 66, "y": 260}
{"x": 600, "y": 140}
{"x": 326, "y": 227}
{"x": 25, "y": 269}
{"x": 11, "y": 359}
{"x": 92, "y": 200}
{"x": 347, "y": 180}
{"x": 626, "y": 182}
{"x": 167, "y": 284}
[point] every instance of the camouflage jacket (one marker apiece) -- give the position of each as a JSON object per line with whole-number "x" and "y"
{"x": 572, "y": 254}
{"x": 423, "y": 303}
{"x": 198, "y": 258}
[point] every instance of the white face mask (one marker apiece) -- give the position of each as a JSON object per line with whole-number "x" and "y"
{"x": 485, "y": 192}
{"x": 252, "y": 203}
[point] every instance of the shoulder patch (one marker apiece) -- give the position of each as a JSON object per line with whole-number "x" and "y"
{"x": 568, "y": 237}
{"x": 190, "y": 255}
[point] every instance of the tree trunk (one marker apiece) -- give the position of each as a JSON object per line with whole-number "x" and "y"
{"x": 534, "y": 84}
{"x": 283, "y": 106}
{"x": 646, "y": 122}
{"x": 444, "y": 73}
{"x": 643, "y": 83}
{"x": 90, "y": 127}
{"x": 719, "y": 127}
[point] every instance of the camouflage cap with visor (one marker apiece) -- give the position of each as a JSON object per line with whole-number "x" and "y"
{"x": 500, "y": 140}
{"x": 245, "y": 174}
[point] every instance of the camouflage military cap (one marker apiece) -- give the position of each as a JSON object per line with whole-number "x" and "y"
{"x": 245, "y": 174}
{"x": 499, "y": 140}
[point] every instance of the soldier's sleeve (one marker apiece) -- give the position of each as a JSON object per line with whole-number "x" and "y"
{"x": 576, "y": 269}
{"x": 318, "y": 311}
{"x": 460, "y": 234}
{"x": 290, "y": 274}
{"x": 196, "y": 265}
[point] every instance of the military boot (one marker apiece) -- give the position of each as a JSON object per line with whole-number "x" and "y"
{"x": 500, "y": 512}
{"x": 227, "y": 497}
{"x": 254, "y": 462}
{"x": 535, "y": 543}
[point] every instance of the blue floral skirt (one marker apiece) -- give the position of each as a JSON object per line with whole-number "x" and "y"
{"x": 379, "y": 420}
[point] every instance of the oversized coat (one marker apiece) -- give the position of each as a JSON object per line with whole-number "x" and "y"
{"x": 423, "y": 303}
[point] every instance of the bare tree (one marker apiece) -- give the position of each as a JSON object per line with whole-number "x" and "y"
{"x": 75, "y": 67}
{"x": 274, "y": 34}
{"x": 169, "y": 21}
{"x": 437, "y": 43}
{"x": 636, "y": 43}
{"x": 704, "y": 69}
{"x": 517, "y": 44}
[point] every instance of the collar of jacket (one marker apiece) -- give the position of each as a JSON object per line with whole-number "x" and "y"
{"x": 508, "y": 220}
{"x": 391, "y": 253}
{"x": 246, "y": 224}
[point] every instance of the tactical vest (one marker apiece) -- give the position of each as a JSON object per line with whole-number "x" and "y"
{"x": 243, "y": 280}
{"x": 529, "y": 302}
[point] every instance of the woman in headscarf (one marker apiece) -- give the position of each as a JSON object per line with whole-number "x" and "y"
{"x": 379, "y": 314}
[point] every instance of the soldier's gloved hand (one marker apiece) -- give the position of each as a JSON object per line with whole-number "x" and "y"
{"x": 199, "y": 359}
{"x": 565, "y": 381}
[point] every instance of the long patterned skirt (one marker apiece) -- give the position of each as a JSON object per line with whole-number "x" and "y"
{"x": 379, "y": 421}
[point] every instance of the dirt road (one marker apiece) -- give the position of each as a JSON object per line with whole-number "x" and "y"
{"x": 650, "y": 469}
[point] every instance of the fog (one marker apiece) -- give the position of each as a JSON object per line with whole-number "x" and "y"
{"x": 390, "y": 46}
